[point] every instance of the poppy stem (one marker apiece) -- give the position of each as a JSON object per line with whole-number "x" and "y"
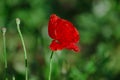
{"x": 5, "y": 55}
{"x": 50, "y": 65}
{"x": 13, "y": 77}
{"x": 51, "y": 55}
{"x": 24, "y": 48}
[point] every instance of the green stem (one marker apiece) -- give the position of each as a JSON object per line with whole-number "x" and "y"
{"x": 5, "y": 55}
{"x": 13, "y": 77}
{"x": 50, "y": 65}
{"x": 24, "y": 48}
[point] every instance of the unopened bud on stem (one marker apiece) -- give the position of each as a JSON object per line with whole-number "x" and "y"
{"x": 4, "y": 30}
{"x": 18, "y": 21}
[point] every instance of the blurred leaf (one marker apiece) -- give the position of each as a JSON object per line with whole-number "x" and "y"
{"x": 77, "y": 75}
{"x": 90, "y": 67}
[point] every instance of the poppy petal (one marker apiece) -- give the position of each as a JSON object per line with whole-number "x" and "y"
{"x": 52, "y": 25}
{"x": 55, "y": 46}
{"x": 74, "y": 47}
{"x": 66, "y": 32}
{"x": 63, "y": 33}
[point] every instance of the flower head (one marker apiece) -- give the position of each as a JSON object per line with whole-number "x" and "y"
{"x": 63, "y": 33}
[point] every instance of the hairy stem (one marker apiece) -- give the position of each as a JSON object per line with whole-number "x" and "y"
{"x": 50, "y": 66}
{"x": 13, "y": 77}
{"x": 5, "y": 55}
{"x": 24, "y": 48}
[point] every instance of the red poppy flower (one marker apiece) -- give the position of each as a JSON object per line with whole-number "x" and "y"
{"x": 63, "y": 33}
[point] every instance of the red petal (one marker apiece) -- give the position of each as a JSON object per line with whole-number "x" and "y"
{"x": 74, "y": 47}
{"x": 66, "y": 32}
{"x": 52, "y": 25}
{"x": 56, "y": 46}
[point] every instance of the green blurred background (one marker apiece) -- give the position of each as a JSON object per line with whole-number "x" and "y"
{"x": 98, "y": 22}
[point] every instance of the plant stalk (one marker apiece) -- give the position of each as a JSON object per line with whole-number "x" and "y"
{"x": 5, "y": 55}
{"x": 24, "y": 48}
{"x": 50, "y": 66}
